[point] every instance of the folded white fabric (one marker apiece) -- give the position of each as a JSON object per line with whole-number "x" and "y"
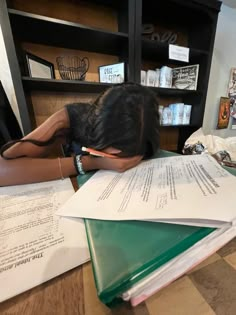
{"x": 214, "y": 144}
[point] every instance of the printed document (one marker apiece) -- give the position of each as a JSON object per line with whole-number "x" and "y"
{"x": 35, "y": 244}
{"x": 186, "y": 189}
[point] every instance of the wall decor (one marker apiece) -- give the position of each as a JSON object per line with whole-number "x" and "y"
{"x": 168, "y": 37}
{"x": 232, "y": 84}
{"x": 113, "y": 73}
{"x": 232, "y": 96}
{"x": 155, "y": 36}
{"x": 224, "y": 113}
{"x": 233, "y": 112}
{"x": 38, "y": 67}
{"x": 185, "y": 77}
{"x": 147, "y": 29}
{"x": 72, "y": 67}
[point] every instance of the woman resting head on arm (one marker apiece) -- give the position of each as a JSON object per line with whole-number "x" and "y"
{"x": 123, "y": 121}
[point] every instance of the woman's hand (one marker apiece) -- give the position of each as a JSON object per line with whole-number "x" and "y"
{"x": 115, "y": 164}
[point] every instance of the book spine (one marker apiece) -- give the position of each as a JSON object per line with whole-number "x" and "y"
{"x": 143, "y": 77}
{"x": 165, "y": 77}
{"x": 177, "y": 113}
{"x": 187, "y": 114}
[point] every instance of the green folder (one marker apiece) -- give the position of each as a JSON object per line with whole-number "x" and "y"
{"x": 124, "y": 252}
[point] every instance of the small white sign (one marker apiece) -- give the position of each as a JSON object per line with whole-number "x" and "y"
{"x": 179, "y": 53}
{"x": 114, "y": 73}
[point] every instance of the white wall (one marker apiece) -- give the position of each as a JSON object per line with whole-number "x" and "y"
{"x": 224, "y": 58}
{"x": 6, "y": 79}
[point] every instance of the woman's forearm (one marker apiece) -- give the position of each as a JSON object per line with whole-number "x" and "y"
{"x": 28, "y": 170}
{"x": 31, "y": 170}
{"x": 44, "y": 132}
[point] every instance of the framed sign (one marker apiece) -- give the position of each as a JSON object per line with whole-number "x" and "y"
{"x": 39, "y": 68}
{"x": 114, "y": 73}
{"x": 232, "y": 84}
{"x": 232, "y": 96}
{"x": 185, "y": 77}
{"x": 224, "y": 113}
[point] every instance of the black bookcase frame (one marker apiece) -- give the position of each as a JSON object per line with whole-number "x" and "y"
{"x": 20, "y": 26}
{"x": 127, "y": 43}
{"x": 201, "y": 43}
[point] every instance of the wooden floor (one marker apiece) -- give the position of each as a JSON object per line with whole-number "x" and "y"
{"x": 207, "y": 290}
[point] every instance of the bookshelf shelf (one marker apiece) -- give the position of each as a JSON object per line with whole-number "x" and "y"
{"x": 44, "y": 30}
{"x": 151, "y": 49}
{"x": 34, "y": 84}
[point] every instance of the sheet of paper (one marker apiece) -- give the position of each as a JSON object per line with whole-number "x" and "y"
{"x": 179, "y": 53}
{"x": 35, "y": 244}
{"x": 178, "y": 187}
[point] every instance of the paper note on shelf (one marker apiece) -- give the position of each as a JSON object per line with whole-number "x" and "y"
{"x": 193, "y": 188}
{"x": 179, "y": 53}
{"x": 35, "y": 244}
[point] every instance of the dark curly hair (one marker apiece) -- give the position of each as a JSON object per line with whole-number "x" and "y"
{"x": 125, "y": 117}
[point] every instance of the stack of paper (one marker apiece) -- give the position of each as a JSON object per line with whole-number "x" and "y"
{"x": 190, "y": 189}
{"x": 179, "y": 265}
{"x": 133, "y": 259}
{"x": 35, "y": 244}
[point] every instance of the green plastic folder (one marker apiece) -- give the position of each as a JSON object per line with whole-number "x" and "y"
{"x": 124, "y": 252}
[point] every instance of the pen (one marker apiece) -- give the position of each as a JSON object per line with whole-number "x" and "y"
{"x": 97, "y": 153}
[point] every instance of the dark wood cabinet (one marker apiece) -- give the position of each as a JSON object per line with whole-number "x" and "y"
{"x": 194, "y": 24}
{"x": 108, "y": 31}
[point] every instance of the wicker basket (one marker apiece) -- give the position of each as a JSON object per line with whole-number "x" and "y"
{"x": 72, "y": 67}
